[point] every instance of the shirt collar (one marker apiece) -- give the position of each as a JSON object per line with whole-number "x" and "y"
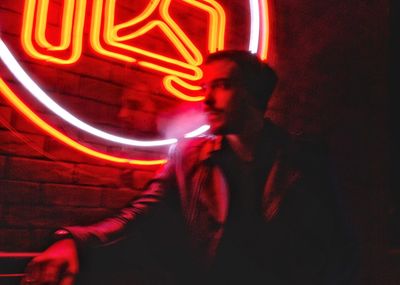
{"x": 270, "y": 136}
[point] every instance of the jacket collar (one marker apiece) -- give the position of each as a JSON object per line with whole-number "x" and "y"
{"x": 270, "y": 136}
{"x": 212, "y": 145}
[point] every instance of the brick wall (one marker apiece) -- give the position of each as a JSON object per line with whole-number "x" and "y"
{"x": 331, "y": 60}
{"x": 45, "y": 184}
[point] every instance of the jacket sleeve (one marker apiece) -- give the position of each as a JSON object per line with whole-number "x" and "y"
{"x": 116, "y": 227}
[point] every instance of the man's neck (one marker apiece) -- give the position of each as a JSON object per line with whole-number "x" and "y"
{"x": 244, "y": 143}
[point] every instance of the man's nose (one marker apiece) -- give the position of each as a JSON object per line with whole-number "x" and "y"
{"x": 209, "y": 98}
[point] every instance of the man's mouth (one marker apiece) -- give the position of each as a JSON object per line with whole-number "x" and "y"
{"x": 212, "y": 111}
{"x": 213, "y": 116}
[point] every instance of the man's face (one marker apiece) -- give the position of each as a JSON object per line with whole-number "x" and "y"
{"x": 226, "y": 99}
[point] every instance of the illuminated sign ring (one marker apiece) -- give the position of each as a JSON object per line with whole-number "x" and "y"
{"x": 259, "y": 28}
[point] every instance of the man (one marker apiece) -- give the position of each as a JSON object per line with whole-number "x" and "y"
{"x": 257, "y": 204}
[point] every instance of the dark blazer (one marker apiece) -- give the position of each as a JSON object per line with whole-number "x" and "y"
{"x": 309, "y": 242}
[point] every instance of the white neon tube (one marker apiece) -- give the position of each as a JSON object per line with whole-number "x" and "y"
{"x": 9, "y": 60}
{"x": 197, "y": 132}
{"x": 14, "y": 67}
{"x": 254, "y": 26}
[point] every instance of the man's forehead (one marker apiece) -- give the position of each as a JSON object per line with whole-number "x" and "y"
{"x": 221, "y": 68}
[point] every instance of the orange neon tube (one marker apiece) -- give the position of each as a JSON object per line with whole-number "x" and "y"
{"x": 167, "y": 81}
{"x": 28, "y": 113}
{"x": 95, "y": 34}
{"x": 111, "y": 34}
{"x": 72, "y": 33}
{"x": 65, "y": 41}
{"x": 217, "y": 23}
{"x": 264, "y": 30}
{"x": 66, "y": 27}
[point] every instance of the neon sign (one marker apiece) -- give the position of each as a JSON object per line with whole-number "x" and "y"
{"x": 179, "y": 76}
{"x": 117, "y": 36}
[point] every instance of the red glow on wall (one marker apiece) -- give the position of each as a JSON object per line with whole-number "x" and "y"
{"x": 106, "y": 37}
{"x": 29, "y": 114}
{"x": 114, "y": 39}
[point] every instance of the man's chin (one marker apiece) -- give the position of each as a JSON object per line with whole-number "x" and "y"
{"x": 216, "y": 129}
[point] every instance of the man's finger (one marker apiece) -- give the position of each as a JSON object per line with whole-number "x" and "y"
{"x": 67, "y": 279}
{"x": 32, "y": 273}
{"x": 49, "y": 274}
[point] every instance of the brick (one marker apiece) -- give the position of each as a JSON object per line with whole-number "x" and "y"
{"x": 9, "y": 22}
{"x": 68, "y": 83}
{"x": 138, "y": 98}
{"x": 126, "y": 178}
{"x": 15, "y": 239}
{"x": 129, "y": 75}
{"x": 97, "y": 175}
{"x": 21, "y": 144}
{"x": 88, "y": 110}
{"x": 44, "y": 75}
{"x": 18, "y": 192}
{"x": 3, "y": 101}
{"x": 7, "y": 78}
{"x": 193, "y": 21}
{"x": 140, "y": 121}
{"x": 100, "y": 90}
{"x": 13, "y": 42}
{"x": 16, "y": 6}
{"x": 6, "y": 75}
{"x": 53, "y": 217}
{"x": 39, "y": 170}
{"x": 87, "y": 216}
{"x": 119, "y": 74}
{"x": 29, "y": 100}
{"x": 163, "y": 102}
{"x": 156, "y": 41}
{"x": 90, "y": 66}
{"x": 23, "y": 124}
{"x": 41, "y": 239}
{"x": 140, "y": 178}
{"x": 118, "y": 198}
{"x": 97, "y": 143}
{"x": 26, "y": 216}
{"x": 71, "y": 195}
{"x": 135, "y": 153}
{"x": 62, "y": 152}
{"x": 5, "y": 115}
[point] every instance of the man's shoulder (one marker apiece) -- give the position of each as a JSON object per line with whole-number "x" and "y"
{"x": 196, "y": 149}
{"x": 306, "y": 149}
{"x": 195, "y": 143}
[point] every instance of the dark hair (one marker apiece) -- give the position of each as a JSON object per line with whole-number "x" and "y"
{"x": 258, "y": 77}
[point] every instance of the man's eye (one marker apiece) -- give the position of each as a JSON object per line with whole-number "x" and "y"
{"x": 221, "y": 84}
{"x": 217, "y": 84}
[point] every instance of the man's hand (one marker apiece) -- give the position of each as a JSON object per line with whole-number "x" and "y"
{"x": 58, "y": 264}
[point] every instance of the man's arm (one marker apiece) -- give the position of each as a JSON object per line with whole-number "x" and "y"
{"x": 59, "y": 263}
{"x": 114, "y": 228}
